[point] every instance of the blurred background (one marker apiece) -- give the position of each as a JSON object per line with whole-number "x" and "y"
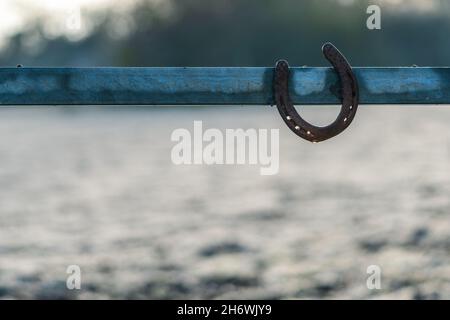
{"x": 95, "y": 186}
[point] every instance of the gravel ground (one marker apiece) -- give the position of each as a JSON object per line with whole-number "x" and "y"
{"x": 96, "y": 188}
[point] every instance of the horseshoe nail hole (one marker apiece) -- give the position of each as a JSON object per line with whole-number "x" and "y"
{"x": 308, "y": 132}
{"x": 297, "y": 128}
{"x": 289, "y": 118}
{"x": 345, "y": 119}
{"x": 351, "y": 107}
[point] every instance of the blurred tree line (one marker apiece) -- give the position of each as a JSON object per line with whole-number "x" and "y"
{"x": 244, "y": 33}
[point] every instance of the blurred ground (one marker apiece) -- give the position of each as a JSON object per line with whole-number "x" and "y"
{"x": 96, "y": 188}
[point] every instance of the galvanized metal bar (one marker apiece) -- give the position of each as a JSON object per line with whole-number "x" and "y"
{"x": 215, "y": 86}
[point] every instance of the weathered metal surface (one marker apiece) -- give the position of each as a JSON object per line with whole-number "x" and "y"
{"x": 349, "y": 92}
{"x": 224, "y": 86}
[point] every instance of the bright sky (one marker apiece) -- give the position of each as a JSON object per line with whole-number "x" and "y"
{"x": 61, "y": 16}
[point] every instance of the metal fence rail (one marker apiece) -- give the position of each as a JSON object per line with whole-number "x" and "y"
{"x": 215, "y": 86}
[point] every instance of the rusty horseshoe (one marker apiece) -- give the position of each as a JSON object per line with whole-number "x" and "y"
{"x": 349, "y": 98}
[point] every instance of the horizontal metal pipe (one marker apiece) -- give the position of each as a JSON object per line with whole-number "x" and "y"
{"x": 214, "y": 86}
